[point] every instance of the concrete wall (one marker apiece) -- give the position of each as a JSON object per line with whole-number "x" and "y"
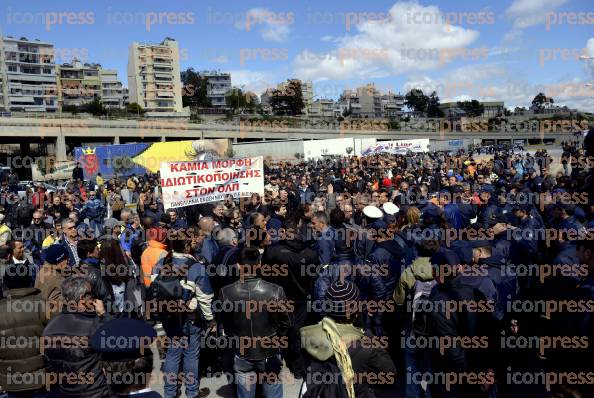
{"x": 274, "y": 149}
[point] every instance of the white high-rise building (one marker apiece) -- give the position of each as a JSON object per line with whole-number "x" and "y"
{"x": 112, "y": 90}
{"x": 27, "y": 75}
{"x": 154, "y": 77}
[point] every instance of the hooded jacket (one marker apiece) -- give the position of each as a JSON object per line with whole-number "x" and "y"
{"x": 366, "y": 359}
{"x": 420, "y": 269}
{"x": 25, "y": 359}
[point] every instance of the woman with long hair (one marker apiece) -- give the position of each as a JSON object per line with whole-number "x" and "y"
{"x": 124, "y": 280}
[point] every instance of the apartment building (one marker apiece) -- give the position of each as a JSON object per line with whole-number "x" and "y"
{"x": 368, "y": 102}
{"x": 154, "y": 77}
{"x": 112, "y": 90}
{"x": 27, "y": 75}
{"x": 78, "y": 83}
{"x": 392, "y": 105}
{"x": 217, "y": 86}
{"x": 308, "y": 95}
{"x": 493, "y": 108}
{"x": 322, "y": 107}
{"x": 490, "y": 109}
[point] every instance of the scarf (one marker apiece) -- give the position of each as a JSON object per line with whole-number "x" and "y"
{"x": 341, "y": 354}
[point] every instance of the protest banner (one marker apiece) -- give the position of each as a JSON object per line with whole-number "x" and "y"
{"x": 190, "y": 183}
{"x": 397, "y": 147}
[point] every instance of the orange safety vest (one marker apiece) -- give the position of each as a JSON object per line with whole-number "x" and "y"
{"x": 150, "y": 257}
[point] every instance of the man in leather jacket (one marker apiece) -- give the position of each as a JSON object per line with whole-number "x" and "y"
{"x": 258, "y": 332}
{"x": 76, "y": 367}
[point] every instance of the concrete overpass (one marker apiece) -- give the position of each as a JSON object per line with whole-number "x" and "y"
{"x": 60, "y": 131}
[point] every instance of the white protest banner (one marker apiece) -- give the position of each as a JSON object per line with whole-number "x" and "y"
{"x": 398, "y": 147}
{"x": 202, "y": 181}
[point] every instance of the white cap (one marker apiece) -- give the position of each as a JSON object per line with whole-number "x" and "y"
{"x": 372, "y": 212}
{"x": 390, "y": 208}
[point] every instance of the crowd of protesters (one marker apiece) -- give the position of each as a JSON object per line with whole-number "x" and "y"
{"x": 418, "y": 275}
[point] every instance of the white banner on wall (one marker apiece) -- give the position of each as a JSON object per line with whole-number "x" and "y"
{"x": 397, "y": 147}
{"x": 190, "y": 183}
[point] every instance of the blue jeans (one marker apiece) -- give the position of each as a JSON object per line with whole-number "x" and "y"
{"x": 416, "y": 361}
{"x": 32, "y": 394}
{"x": 187, "y": 346}
{"x": 248, "y": 374}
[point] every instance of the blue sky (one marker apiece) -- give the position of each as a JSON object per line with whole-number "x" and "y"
{"x": 506, "y": 50}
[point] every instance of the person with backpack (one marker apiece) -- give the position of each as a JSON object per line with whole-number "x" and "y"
{"x": 182, "y": 280}
{"x": 411, "y": 295}
{"x": 458, "y": 310}
{"x": 343, "y": 360}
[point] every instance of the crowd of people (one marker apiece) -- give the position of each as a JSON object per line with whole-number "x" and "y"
{"x": 417, "y": 275}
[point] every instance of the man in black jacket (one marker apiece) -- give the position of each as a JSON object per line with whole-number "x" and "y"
{"x": 69, "y": 360}
{"x": 299, "y": 261}
{"x": 77, "y": 173}
{"x": 90, "y": 266}
{"x": 459, "y": 312}
{"x": 259, "y": 332}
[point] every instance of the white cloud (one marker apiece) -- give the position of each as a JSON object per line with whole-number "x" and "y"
{"x": 492, "y": 82}
{"x": 590, "y": 53}
{"x": 391, "y": 46}
{"x": 327, "y": 38}
{"x": 254, "y": 81}
{"x": 271, "y": 27}
{"x": 526, "y": 13}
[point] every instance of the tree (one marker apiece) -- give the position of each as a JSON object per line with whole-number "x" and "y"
{"x": 195, "y": 90}
{"x": 135, "y": 108}
{"x": 433, "y": 106}
{"x": 70, "y": 108}
{"x": 289, "y": 100}
{"x": 235, "y": 100}
{"x": 540, "y": 100}
{"x": 472, "y": 108}
{"x": 94, "y": 107}
{"x": 416, "y": 100}
{"x": 347, "y": 111}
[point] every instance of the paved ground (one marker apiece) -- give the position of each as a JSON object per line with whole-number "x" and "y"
{"x": 219, "y": 386}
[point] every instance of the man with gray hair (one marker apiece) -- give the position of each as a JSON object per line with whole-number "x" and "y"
{"x": 209, "y": 248}
{"x": 69, "y": 240}
{"x": 64, "y": 358}
{"x": 225, "y": 259}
